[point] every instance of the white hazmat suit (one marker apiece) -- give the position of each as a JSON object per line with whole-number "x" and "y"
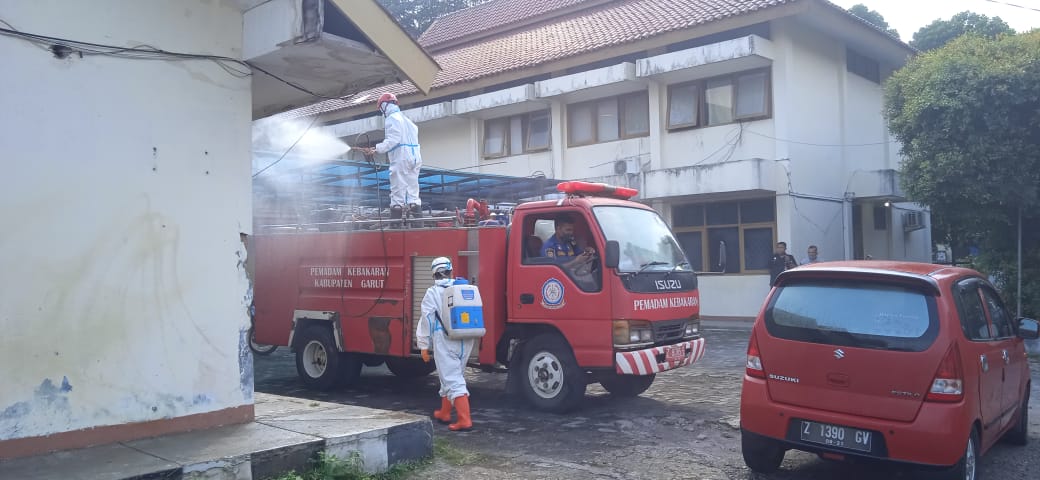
{"x": 401, "y": 145}
{"x": 450, "y": 356}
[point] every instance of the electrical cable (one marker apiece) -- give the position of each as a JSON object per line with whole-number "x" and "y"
{"x": 63, "y": 47}
{"x": 286, "y": 152}
{"x": 1013, "y": 5}
{"x": 382, "y": 233}
{"x": 822, "y": 144}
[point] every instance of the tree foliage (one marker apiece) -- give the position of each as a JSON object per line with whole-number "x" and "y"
{"x": 940, "y": 32}
{"x": 968, "y": 118}
{"x": 860, "y": 10}
{"x": 416, "y": 15}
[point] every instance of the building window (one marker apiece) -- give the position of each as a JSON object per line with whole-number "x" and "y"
{"x": 862, "y": 65}
{"x": 608, "y": 119}
{"x": 729, "y": 237}
{"x": 516, "y": 134}
{"x": 720, "y": 100}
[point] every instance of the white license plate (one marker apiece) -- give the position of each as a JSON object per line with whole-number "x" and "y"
{"x": 836, "y": 436}
{"x": 675, "y": 354}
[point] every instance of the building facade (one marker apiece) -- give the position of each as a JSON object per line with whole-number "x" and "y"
{"x": 127, "y": 199}
{"x": 742, "y": 123}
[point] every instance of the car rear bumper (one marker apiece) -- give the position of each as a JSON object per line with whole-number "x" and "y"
{"x": 937, "y": 437}
{"x": 654, "y": 360}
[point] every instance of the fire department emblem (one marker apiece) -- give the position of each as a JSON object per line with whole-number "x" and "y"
{"x": 552, "y": 294}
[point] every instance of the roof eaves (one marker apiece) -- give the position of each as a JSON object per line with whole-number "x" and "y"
{"x": 861, "y": 21}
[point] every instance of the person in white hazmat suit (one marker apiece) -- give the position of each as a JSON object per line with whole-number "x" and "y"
{"x": 401, "y": 146}
{"x": 450, "y": 355}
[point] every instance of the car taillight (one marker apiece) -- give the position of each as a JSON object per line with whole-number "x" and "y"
{"x": 754, "y": 359}
{"x": 948, "y": 384}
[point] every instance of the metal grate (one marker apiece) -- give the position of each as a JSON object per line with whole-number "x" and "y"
{"x": 421, "y": 280}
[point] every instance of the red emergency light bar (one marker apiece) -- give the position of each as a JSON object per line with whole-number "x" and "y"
{"x": 596, "y": 189}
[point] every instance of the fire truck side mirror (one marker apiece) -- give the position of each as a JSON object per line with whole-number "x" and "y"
{"x": 613, "y": 254}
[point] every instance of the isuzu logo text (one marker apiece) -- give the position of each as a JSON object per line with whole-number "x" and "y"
{"x": 668, "y": 284}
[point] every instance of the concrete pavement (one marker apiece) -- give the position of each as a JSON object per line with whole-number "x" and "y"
{"x": 288, "y": 434}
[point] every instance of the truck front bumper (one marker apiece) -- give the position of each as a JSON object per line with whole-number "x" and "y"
{"x": 659, "y": 359}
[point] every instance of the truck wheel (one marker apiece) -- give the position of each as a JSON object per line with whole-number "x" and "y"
{"x": 320, "y": 365}
{"x": 259, "y": 348}
{"x": 761, "y": 454}
{"x": 409, "y": 367}
{"x": 626, "y": 385}
{"x": 555, "y": 383}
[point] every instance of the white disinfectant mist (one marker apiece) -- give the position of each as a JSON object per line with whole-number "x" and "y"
{"x": 287, "y": 155}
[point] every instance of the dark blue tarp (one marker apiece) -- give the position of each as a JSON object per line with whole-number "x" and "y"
{"x": 363, "y": 184}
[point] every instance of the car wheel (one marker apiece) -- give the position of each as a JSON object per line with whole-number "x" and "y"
{"x": 965, "y": 468}
{"x": 626, "y": 385}
{"x": 554, "y": 381}
{"x": 320, "y": 365}
{"x": 409, "y": 367}
{"x": 761, "y": 454}
{"x": 1019, "y": 435}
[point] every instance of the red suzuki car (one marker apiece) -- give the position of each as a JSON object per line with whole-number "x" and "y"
{"x": 902, "y": 362}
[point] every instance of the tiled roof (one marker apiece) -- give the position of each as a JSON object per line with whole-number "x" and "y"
{"x": 489, "y": 16}
{"x": 606, "y": 25}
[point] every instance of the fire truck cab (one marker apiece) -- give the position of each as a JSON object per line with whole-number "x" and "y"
{"x": 617, "y": 306}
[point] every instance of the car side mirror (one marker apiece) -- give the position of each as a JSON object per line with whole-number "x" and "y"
{"x": 612, "y": 256}
{"x": 1028, "y": 328}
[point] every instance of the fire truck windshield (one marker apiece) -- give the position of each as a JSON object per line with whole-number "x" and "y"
{"x": 645, "y": 240}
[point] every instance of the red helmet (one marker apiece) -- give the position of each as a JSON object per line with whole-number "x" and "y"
{"x": 386, "y": 97}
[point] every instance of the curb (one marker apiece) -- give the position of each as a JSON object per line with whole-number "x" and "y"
{"x": 288, "y": 440}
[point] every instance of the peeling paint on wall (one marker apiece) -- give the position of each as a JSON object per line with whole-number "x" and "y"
{"x": 245, "y": 365}
{"x": 48, "y": 399}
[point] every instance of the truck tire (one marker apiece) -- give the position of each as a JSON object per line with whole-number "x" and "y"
{"x": 259, "y": 348}
{"x": 320, "y": 365}
{"x": 553, "y": 381}
{"x": 626, "y": 385}
{"x": 409, "y": 367}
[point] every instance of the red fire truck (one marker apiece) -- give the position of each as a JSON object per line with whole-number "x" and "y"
{"x": 346, "y": 299}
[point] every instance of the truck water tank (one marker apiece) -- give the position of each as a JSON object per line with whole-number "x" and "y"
{"x": 465, "y": 312}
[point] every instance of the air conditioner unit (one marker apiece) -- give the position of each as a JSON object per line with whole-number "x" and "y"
{"x": 628, "y": 165}
{"x": 913, "y": 221}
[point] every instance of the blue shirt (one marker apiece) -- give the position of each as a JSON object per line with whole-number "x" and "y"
{"x": 554, "y": 247}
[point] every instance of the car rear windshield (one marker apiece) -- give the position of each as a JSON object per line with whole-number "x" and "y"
{"x": 855, "y": 314}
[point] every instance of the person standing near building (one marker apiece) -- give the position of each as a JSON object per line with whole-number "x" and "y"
{"x": 401, "y": 146}
{"x": 813, "y": 256}
{"x": 450, "y": 355}
{"x": 780, "y": 261}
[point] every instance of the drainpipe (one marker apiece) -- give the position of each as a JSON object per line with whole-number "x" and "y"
{"x": 846, "y": 224}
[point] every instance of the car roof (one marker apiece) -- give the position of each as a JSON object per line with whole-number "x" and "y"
{"x": 926, "y": 273}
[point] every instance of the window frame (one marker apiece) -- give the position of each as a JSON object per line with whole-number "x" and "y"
{"x": 594, "y": 120}
{"x": 741, "y": 226}
{"x": 971, "y": 286}
{"x": 988, "y": 293}
{"x": 527, "y": 131}
{"x": 525, "y": 134}
{"x": 702, "y": 113}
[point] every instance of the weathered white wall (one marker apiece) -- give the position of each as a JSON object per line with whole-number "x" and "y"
{"x": 732, "y": 295}
{"x": 126, "y": 185}
{"x": 598, "y": 159}
{"x": 449, "y": 143}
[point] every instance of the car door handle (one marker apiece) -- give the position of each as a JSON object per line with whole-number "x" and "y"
{"x": 526, "y": 298}
{"x": 1007, "y": 358}
{"x": 984, "y": 362}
